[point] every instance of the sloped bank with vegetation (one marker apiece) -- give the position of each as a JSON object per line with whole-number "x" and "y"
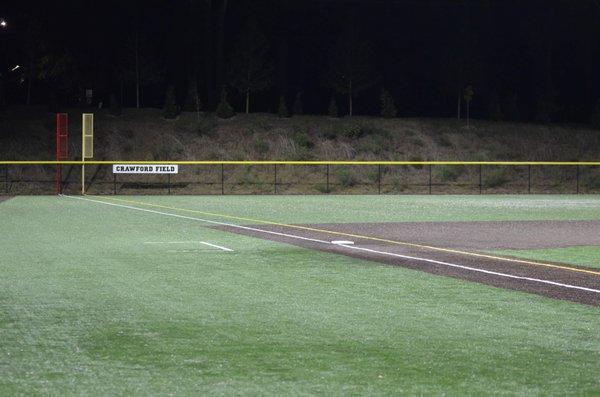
{"x": 146, "y": 135}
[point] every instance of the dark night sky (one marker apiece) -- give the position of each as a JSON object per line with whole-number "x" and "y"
{"x": 527, "y": 48}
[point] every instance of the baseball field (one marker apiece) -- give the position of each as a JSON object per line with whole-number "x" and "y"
{"x": 300, "y": 295}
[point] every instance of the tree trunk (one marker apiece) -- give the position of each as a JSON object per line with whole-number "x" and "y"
{"x": 350, "y": 99}
{"x": 247, "y": 101}
{"x": 220, "y": 43}
{"x": 468, "y": 114}
{"x": 208, "y": 65}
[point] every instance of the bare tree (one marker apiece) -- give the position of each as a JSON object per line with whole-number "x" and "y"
{"x": 250, "y": 67}
{"x": 352, "y": 71}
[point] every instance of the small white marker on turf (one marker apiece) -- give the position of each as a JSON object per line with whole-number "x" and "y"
{"x": 342, "y": 242}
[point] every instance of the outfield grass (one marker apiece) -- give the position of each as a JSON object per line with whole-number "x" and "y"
{"x": 87, "y": 308}
{"x": 384, "y": 208}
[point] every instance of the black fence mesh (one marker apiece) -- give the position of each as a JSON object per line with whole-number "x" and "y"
{"x": 214, "y": 179}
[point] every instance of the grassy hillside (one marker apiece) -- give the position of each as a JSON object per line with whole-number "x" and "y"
{"x": 145, "y": 135}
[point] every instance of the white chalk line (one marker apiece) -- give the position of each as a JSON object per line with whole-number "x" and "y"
{"x": 190, "y": 242}
{"x": 473, "y": 269}
{"x": 216, "y": 246}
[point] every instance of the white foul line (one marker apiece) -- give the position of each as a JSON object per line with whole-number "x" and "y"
{"x": 474, "y": 269}
{"x": 171, "y": 242}
{"x": 190, "y": 242}
{"x": 216, "y": 246}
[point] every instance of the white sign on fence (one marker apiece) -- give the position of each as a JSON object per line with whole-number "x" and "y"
{"x": 145, "y": 169}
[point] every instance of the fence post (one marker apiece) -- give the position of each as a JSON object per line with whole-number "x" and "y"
{"x": 222, "y": 179}
{"x": 327, "y": 185}
{"x": 577, "y": 177}
{"x": 429, "y": 178}
{"x": 480, "y": 179}
{"x": 169, "y": 182}
{"x": 529, "y": 179}
{"x": 275, "y": 183}
{"x": 379, "y": 179}
{"x": 114, "y": 184}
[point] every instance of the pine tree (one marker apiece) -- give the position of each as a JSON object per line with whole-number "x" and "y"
{"x": 115, "y": 105}
{"x": 298, "y": 108}
{"x": 224, "y": 109}
{"x": 332, "y": 111}
{"x": 282, "y": 111}
{"x": 495, "y": 109}
{"x": 250, "y": 68}
{"x": 170, "y": 110}
{"x": 388, "y": 108}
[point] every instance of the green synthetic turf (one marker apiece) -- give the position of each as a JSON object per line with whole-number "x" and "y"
{"x": 334, "y": 209}
{"x": 87, "y": 308}
{"x": 581, "y": 255}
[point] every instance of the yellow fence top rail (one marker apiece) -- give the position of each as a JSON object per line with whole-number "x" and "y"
{"x": 285, "y": 162}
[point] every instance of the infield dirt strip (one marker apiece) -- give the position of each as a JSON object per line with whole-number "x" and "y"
{"x": 474, "y": 237}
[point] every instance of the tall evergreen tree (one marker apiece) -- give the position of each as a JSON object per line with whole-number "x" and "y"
{"x": 250, "y": 67}
{"x": 282, "y": 110}
{"x": 224, "y": 109}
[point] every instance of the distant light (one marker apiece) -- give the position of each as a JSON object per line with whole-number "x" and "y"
{"x": 15, "y": 68}
{"x": 3, "y": 23}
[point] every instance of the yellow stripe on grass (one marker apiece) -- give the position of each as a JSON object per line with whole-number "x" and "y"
{"x": 403, "y": 243}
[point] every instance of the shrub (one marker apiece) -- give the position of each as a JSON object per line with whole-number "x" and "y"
{"x": 282, "y": 111}
{"x": 449, "y": 173}
{"x": 398, "y": 184}
{"x": 416, "y": 158}
{"x": 322, "y": 188}
{"x": 170, "y": 110}
{"x": 346, "y": 177}
{"x": 388, "y": 108}
{"x": 302, "y": 140}
{"x": 224, "y": 109}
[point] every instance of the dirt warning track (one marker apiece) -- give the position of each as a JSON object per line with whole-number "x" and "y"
{"x": 397, "y": 244}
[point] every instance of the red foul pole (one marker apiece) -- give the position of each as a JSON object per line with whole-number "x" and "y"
{"x": 62, "y": 146}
